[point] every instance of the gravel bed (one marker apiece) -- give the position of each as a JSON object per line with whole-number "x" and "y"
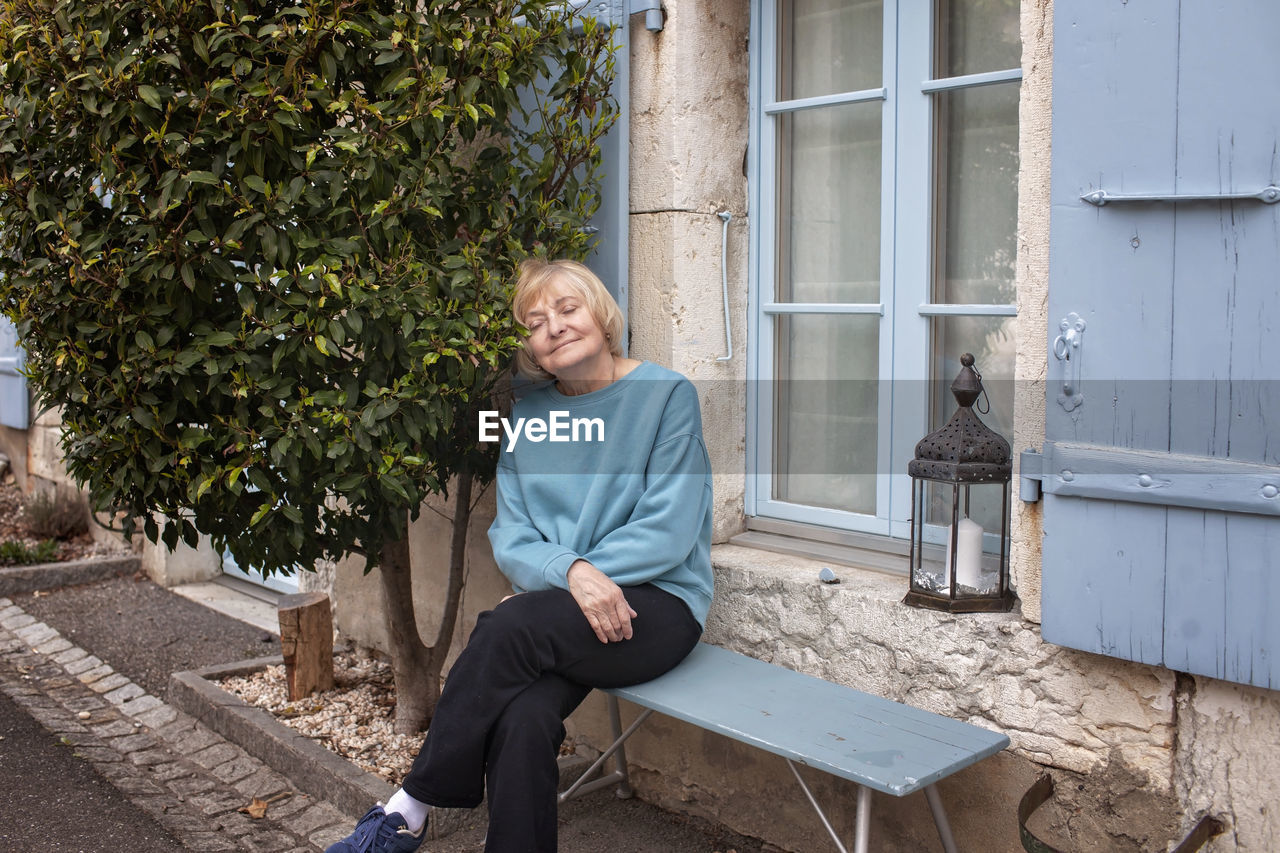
{"x": 354, "y": 720}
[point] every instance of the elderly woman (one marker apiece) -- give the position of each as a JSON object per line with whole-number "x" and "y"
{"x": 605, "y": 538}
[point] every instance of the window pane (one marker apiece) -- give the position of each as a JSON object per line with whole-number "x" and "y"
{"x": 828, "y": 46}
{"x": 829, "y": 205}
{"x": 825, "y": 400}
{"x": 977, "y": 36}
{"x": 978, "y": 182}
{"x": 990, "y": 339}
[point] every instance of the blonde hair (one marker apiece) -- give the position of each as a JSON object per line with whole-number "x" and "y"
{"x": 536, "y": 275}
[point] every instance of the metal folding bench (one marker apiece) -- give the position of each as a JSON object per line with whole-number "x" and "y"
{"x": 877, "y": 743}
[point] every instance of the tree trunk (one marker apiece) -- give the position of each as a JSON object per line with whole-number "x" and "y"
{"x": 415, "y": 665}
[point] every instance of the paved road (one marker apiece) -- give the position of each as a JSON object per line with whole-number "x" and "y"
{"x": 54, "y": 799}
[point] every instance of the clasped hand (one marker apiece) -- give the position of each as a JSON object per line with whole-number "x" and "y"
{"x": 602, "y": 602}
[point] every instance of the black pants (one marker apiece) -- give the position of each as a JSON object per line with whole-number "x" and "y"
{"x": 530, "y": 661}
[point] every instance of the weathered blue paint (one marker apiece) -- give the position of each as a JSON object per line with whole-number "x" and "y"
{"x": 1104, "y": 577}
{"x": 1164, "y": 479}
{"x": 610, "y": 259}
{"x": 13, "y": 386}
{"x": 1162, "y": 485}
{"x": 609, "y": 227}
{"x": 885, "y": 745}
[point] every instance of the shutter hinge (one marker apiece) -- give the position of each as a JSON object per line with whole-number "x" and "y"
{"x": 1030, "y": 472}
{"x": 653, "y": 17}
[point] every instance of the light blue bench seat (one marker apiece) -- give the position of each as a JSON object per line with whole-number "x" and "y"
{"x": 877, "y": 743}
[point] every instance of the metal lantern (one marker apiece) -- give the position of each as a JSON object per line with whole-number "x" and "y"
{"x": 962, "y": 459}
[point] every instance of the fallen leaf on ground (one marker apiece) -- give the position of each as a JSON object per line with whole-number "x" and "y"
{"x": 257, "y": 808}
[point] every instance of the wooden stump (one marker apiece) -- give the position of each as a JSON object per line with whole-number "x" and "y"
{"x": 306, "y": 639}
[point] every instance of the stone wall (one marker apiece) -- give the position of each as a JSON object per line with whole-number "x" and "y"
{"x": 13, "y": 444}
{"x": 688, "y": 144}
{"x": 1032, "y": 271}
{"x": 43, "y": 463}
{"x": 1060, "y": 708}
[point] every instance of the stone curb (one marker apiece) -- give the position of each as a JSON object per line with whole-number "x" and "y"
{"x": 15, "y": 580}
{"x": 313, "y": 769}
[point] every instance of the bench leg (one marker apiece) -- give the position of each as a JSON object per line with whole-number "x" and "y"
{"x": 862, "y": 823}
{"x": 582, "y": 786}
{"x": 940, "y": 818}
{"x": 625, "y": 791}
{"x": 822, "y": 816}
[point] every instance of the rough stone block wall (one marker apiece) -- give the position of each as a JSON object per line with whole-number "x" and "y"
{"x": 1032, "y": 272}
{"x": 13, "y": 444}
{"x": 688, "y": 144}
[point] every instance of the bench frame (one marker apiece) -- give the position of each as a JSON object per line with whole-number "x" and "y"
{"x": 966, "y": 744}
{"x": 862, "y": 828}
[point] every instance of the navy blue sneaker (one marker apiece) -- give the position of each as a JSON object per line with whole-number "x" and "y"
{"x": 379, "y": 832}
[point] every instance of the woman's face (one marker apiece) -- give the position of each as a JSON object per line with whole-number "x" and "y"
{"x": 563, "y": 335}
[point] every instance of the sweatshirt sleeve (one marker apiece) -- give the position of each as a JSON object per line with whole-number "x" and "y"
{"x": 667, "y": 521}
{"x": 522, "y": 554}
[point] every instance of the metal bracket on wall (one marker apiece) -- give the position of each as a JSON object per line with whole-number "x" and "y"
{"x": 1030, "y": 473}
{"x": 1066, "y": 348}
{"x": 653, "y": 16}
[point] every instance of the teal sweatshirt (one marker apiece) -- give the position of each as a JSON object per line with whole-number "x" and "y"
{"x": 618, "y": 477}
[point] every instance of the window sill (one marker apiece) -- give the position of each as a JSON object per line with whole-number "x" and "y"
{"x": 855, "y": 550}
{"x": 745, "y": 566}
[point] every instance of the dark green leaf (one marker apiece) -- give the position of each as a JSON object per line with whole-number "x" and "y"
{"x": 150, "y": 96}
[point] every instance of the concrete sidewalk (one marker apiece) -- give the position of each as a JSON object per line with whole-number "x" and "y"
{"x": 88, "y": 666}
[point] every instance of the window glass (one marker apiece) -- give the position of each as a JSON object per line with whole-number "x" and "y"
{"x": 975, "y": 221}
{"x": 829, "y": 205}
{"x": 825, "y": 431}
{"x": 905, "y": 203}
{"x": 978, "y": 35}
{"x": 828, "y": 46}
{"x": 977, "y": 176}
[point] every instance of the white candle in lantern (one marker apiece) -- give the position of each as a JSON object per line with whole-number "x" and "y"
{"x": 968, "y": 553}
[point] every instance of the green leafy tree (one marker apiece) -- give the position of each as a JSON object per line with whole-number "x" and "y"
{"x": 260, "y": 255}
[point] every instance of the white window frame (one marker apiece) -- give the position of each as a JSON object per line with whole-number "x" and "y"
{"x": 905, "y": 309}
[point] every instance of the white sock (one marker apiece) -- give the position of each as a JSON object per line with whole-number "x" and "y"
{"x": 413, "y": 811}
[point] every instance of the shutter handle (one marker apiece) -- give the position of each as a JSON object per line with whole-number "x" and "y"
{"x": 1267, "y": 195}
{"x": 1066, "y": 348}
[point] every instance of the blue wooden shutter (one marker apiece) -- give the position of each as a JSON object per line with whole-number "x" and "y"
{"x": 1161, "y": 479}
{"x": 611, "y": 257}
{"x": 13, "y": 386}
